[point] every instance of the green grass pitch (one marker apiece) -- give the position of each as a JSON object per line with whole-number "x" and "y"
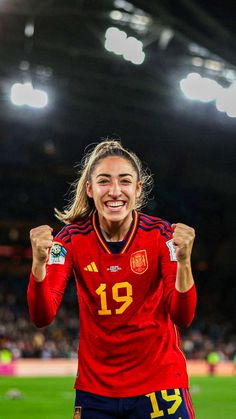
{"x": 53, "y": 397}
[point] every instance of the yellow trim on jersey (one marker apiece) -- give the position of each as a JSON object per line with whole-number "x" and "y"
{"x": 102, "y": 241}
{"x": 100, "y": 238}
{"x": 130, "y": 238}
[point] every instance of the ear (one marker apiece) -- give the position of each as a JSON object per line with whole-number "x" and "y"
{"x": 139, "y": 188}
{"x": 89, "y": 189}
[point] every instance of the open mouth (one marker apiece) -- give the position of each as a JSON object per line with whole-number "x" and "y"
{"x": 115, "y": 204}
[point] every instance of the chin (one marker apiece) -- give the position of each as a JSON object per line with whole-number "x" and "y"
{"x": 114, "y": 216}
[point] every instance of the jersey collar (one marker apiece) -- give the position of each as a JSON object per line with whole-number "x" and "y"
{"x": 129, "y": 236}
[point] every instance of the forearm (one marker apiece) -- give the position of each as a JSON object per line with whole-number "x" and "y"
{"x": 184, "y": 278}
{"x": 42, "y": 307}
{"x": 183, "y": 301}
{"x": 182, "y": 307}
{"x": 38, "y": 271}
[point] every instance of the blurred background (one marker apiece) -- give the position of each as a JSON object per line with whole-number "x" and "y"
{"x": 161, "y": 76}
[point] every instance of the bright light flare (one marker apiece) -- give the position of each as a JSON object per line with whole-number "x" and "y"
{"x": 204, "y": 89}
{"x": 119, "y": 43}
{"x": 25, "y": 94}
{"x": 29, "y": 29}
{"x": 226, "y": 101}
{"x": 115, "y": 40}
{"x": 200, "y": 88}
{"x": 133, "y": 51}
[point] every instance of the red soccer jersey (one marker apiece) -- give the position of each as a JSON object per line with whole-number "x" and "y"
{"x": 128, "y": 306}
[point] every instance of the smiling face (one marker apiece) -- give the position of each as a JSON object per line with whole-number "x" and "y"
{"x": 114, "y": 188}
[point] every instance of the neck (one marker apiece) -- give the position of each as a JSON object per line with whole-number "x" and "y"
{"x": 117, "y": 230}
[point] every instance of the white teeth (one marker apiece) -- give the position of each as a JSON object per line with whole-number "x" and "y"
{"x": 115, "y": 204}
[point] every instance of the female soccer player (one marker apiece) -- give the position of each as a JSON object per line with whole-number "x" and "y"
{"x": 134, "y": 285}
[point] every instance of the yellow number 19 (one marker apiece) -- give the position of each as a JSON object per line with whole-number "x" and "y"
{"x": 175, "y": 398}
{"x": 127, "y": 299}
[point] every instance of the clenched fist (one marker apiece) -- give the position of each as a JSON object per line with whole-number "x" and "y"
{"x": 41, "y": 241}
{"x": 183, "y": 238}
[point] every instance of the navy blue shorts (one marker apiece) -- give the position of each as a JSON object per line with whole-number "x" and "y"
{"x": 171, "y": 404}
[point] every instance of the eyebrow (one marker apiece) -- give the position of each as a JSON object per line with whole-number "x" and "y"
{"x": 107, "y": 175}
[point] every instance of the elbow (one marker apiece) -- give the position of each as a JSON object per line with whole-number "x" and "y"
{"x": 183, "y": 322}
{"x": 41, "y": 321}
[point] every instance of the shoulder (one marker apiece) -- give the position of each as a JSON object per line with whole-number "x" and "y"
{"x": 149, "y": 223}
{"x": 81, "y": 227}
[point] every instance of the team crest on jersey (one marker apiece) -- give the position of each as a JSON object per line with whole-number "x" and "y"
{"x": 139, "y": 262}
{"x": 57, "y": 254}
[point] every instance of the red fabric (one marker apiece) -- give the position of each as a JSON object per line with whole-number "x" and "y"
{"x": 128, "y": 304}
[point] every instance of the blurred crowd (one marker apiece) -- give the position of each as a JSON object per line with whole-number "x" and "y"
{"x": 60, "y": 339}
{"x": 23, "y": 339}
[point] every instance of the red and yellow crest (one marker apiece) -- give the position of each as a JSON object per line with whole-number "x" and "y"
{"x": 139, "y": 262}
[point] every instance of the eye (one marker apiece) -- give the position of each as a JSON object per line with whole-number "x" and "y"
{"x": 103, "y": 181}
{"x": 126, "y": 181}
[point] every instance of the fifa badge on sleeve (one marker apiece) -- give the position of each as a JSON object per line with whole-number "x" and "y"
{"x": 57, "y": 254}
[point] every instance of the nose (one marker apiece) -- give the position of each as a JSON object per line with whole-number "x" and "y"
{"x": 114, "y": 190}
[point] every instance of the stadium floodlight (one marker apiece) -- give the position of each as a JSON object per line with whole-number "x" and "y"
{"x": 197, "y": 61}
{"x": 200, "y": 88}
{"x": 226, "y": 101}
{"x": 116, "y": 15}
{"x": 133, "y": 51}
{"x": 221, "y": 101}
{"x": 25, "y": 94}
{"x": 204, "y": 89}
{"x": 123, "y": 4}
{"x": 29, "y": 29}
{"x": 190, "y": 84}
{"x": 210, "y": 90}
{"x": 231, "y": 113}
{"x": 116, "y": 41}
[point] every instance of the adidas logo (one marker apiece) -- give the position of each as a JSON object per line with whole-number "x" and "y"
{"x": 91, "y": 267}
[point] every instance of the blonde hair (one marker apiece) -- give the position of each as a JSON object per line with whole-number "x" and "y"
{"x": 81, "y": 205}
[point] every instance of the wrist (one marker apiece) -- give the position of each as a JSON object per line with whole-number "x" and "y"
{"x": 184, "y": 277}
{"x": 38, "y": 270}
{"x": 185, "y": 263}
